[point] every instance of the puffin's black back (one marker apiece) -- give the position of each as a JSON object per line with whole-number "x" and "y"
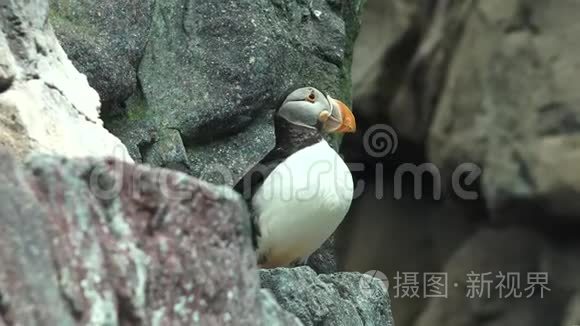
{"x": 290, "y": 138}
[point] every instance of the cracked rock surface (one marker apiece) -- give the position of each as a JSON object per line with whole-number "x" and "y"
{"x": 96, "y": 242}
{"x": 192, "y": 85}
{"x": 209, "y": 72}
{"x": 45, "y": 103}
{"x": 329, "y": 299}
{"x": 93, "y": 241}
{"x": 104, "y": 242}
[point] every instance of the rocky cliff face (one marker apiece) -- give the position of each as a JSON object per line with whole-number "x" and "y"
{"x": 192, "y": 85}
{"x": 341, "y": 299}
{"x": 490, "y": 84}
{"x": 45, "y": 103}
{"x": 87, "y": 237}
{"x": 105, "y": 242}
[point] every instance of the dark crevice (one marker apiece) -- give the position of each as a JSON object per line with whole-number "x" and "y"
{"x": 157, "y": 220}
{"x": 144, "y": 148}
{"x": 336, "y": 5}
{"x": 523, "y": 21}
{"x": 40, "y": 49}
{"x": 524, "y": 171}
{"x": 186, "y": 8}
{"x": 531, "y": 214}
{"x": 126, "y": 312}
{"x": 425, "y": 74}
{"x": 6, "y": 83}
{"x": 396, "y": 62}
{"x": 558, "y": 118}
{"x": 75, "y": 312}
{"x": 4, "y": 311}
{"x": 414, "y": 70}
{"x": 137, "y": 58}
{"x": 213, "y": 130}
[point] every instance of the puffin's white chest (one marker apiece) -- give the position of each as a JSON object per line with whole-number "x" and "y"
{"x": 301, "y": 203}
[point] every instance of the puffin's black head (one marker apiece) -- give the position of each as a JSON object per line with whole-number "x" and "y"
{"x": 309, "y": 108}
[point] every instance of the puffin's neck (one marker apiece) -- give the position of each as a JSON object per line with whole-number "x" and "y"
{"x": 291, "y": 138}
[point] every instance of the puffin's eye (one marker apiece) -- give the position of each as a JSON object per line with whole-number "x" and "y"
{"x": 311, "y": 98}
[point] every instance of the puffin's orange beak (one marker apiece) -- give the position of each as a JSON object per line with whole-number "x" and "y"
{"x": 348, "y": 124}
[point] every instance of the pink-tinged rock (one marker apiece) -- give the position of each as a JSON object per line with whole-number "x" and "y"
{"x": 110, "y": 243}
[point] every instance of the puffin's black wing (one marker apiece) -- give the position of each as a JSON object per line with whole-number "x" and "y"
{"x": 252, "y": 181}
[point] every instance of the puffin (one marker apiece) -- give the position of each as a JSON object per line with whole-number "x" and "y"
{"x": 302, "y": 189}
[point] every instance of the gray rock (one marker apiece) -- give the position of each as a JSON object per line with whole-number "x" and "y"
{"x": 325, "y": 259}
{"x": 432, "y": 231}
{"x": 214, "y": 70}
{"x": 401, "y": 61}
{"x": 510, "y": 105}
{"x": 167, "y": 150}
{"x": 45, "y": 103}
{"x": 218, "y": 64}
{"x": 383, "y": 24}
{"x": 101, "y": 242}
{"x": 210, "y": 74}
{"x": 105, "y": 40}
{"x": 27, "y": 274}
{"x": 334, "y": 299}
{"x": 273, "y": 314}
{"x": 214, "y": 160}
{"x": 492, "y": 253}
